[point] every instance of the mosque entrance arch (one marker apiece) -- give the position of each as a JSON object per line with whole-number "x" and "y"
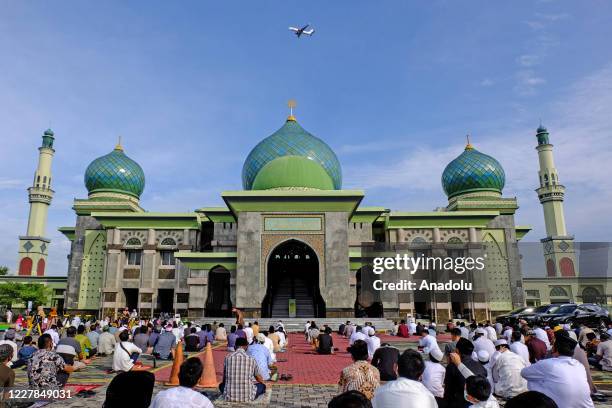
{"x": 293, "y": 276}
{"x": 218, "y": 301}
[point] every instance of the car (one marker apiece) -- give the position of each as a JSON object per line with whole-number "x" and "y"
{"x": 510, "y": 319}
{"x": 589, "y": 314}
{"x": 531, "y": 315}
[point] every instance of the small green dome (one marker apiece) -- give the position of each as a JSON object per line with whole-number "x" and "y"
{"x": 291, "y": 140}
{"x": 115, "y": 173}
{"x": 473, "y": 171}
{"x": 288, "y": 172}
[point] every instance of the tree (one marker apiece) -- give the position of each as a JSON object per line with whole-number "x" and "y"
{"x": 4, "y": 270}
{"x": 14, "y": 293}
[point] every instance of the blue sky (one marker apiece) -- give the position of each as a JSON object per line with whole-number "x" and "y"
{"x": 392, "y": 87}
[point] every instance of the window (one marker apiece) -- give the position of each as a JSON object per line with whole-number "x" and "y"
{"x": 133, "y": 257}
{"x": 590, "y": 295}
{"x": 133, "y": 242}
{"x": 167, "y": 257}
{"x": 557, "y": 291}
{"x": 168, "y": 242}
{"x": 182, "y": 298}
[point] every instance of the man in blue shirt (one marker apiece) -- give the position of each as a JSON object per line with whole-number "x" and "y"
{"x": 262, "y": 356}
{"x": 231, "y": 339}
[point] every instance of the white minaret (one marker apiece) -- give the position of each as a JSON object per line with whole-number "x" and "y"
{"x": 558, "y": 245}
{"x": 33, "y": 247}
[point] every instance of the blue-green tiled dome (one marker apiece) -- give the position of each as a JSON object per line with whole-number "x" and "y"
{"x": 471, "y": 172}
{"x": 291, "y": 140}
{"x": 115, "y": 173}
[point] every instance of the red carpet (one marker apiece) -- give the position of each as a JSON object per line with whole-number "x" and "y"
{"x": 302, "y": 364}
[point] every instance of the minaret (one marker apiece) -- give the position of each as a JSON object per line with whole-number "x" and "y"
{"x": 33, "y": 247}
{"x": 558, "y": 245}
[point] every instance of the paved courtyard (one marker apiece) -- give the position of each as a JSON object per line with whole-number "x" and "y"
{"x": 313, "y": 384}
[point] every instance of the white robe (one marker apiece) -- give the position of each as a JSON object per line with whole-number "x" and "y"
{"x": 398, "y": 393}
{"x": 507, "y": 375}
{"x": 433, "y": 378}
{"x": 522, "y": 350}
{"x": 563, "y": 379}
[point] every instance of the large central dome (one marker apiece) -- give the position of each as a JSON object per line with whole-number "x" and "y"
{"x": 472, "y": 172}
{"x": 291, "y": 140}
{"x": 115, "y": 173}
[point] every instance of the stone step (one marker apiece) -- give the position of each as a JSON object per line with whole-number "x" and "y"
{"x": 297, "y": 324}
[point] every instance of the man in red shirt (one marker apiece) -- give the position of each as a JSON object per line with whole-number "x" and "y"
{"x": 402, "y": 330}
{"x": 537, "y": 348}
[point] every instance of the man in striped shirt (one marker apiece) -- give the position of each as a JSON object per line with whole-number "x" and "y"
{"x": 242, "y": 380}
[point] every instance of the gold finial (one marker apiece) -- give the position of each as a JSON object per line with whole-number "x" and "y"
{"x": 291, "y": 104}
{"x": 468, "y": 146}
{"x": 119, "y": 146}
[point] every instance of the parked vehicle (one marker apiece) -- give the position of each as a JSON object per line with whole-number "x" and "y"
{"x": 588, "y": 314}
{"x": 531, "y": 315}
{"x": 510, "y": 319}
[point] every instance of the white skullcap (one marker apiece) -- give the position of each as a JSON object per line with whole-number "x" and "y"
{"x": 483, "y": 356}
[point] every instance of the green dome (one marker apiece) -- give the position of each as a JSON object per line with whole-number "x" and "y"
{"x": 471, "y": 172}
{"x": 115, "y": 173}
{"x": 292, "y": 172}
{"x": 291, "y": 140}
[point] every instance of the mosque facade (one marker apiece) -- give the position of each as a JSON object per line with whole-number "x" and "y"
{"x": 293, "y": 242}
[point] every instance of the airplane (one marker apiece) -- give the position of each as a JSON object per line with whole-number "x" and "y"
{"x": 303, "y": 30}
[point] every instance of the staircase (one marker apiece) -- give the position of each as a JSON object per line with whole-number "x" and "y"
{"x": 297, "y": 324}
{"x": 292, "y": 289}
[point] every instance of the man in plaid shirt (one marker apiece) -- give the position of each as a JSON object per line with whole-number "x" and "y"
{"x": 241, "y": 378}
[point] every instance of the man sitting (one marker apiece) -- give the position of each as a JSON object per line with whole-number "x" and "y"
{"x": 192, "y": 340}
{"x": 126, "y": 354}
{"x": 164, "y": 345}
{"x": 385, "y": 359}
{"x": 325, "y": 343}
{"x": 406, "y": 389}
{"x": 402, "y": 329}
{"x": 262, "y": 355}
{"x": 357, "y": 335}
{"x": 184, "y": 396}
{"x": 106, "y": 342}
{"x": 242, "y": 381}
{"x": 603, "y": 358}
{"x": 84, "y": 342}
{"x": 69, "y": 340}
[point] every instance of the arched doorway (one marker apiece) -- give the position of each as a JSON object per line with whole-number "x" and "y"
{"x": 293, "y": 273}
{"x": 218, "y": 301}
{"x": 367, "y": 303}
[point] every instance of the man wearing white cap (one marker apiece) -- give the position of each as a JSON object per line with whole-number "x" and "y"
{"x": 507, "y": 372}
{"x": 483, "y": 359}
{"x": 433, "y": 376}
{"x": 373, "y": 341}
{"x": 427, "y": 342}
{"x": 482, "y": 342}
{"x": 262, "y": 356}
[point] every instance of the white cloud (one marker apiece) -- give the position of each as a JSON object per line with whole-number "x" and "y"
{"x": 528, "y": 60}
{"x": 487, "y": 82}
{"x": 7, "y": 183}
{"x": 580, "y": 127}
{"x": 527, "y": 82}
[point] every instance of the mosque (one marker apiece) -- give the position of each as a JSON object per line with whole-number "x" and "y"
{"x": 292, "y": 243}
